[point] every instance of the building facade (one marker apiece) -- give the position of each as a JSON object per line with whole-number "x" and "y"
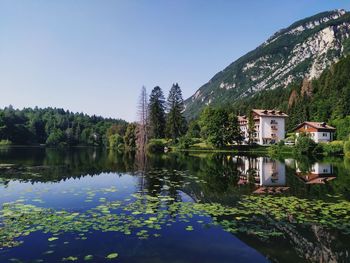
{"x": 268, "y": 175}
{"x": 319, "y": 131}
{"x": 269, "y": 126}
{"x": 319, "y": 173}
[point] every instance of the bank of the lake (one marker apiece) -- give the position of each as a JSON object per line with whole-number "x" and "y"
{"x": 335, "y": 148}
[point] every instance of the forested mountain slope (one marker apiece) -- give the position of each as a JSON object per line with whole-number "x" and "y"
{"x": 301, "y": 51}
{"x": 326, "y": 98}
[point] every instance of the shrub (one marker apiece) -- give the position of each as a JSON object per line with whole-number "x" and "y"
{"x": 56, "y": 137}
{"x": 281, "y": 143}
{"x": 194, "y": 130}
{"x": 347, "y": 148}
{"x": 332, "y": 148}
{"x": 115, "y": 142}
{"x": 185, "y": 142}
{"x": 196, "y": 140}
{"x": 156, "y": 145}
{"x": 304, "y": 144}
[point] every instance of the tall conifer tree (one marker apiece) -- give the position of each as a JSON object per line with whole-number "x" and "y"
{"x": 157, "y": 113}
{"x": 176, "y": 123}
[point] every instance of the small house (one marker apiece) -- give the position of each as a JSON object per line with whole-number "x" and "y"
{"x": 319, "y": 131}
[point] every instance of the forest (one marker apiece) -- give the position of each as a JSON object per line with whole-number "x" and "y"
{"x": 52, "y": 127}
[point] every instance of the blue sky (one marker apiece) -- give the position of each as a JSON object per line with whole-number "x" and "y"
{"x": 94, "y": 56}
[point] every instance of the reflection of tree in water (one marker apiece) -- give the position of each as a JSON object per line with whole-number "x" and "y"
{"x": 43, "y": 165}
{"x": 167, "y": 174}
{"x": 305, "y": 163}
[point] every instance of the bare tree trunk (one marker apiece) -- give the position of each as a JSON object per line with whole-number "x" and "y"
{"x": 142, "y": 134}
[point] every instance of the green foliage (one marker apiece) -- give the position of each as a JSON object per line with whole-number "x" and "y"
{"x": 343, "y": 127}
{"x": 115, "y": 142}
{"x": 220, "y": 127}
{"x": 281, "y": 143}
{"x": 175, "y": 122}
{"x": 304, "y": 144}
{"x": 347, "y": 148}
{"x": 54, "y": 126}
{"x": 130, "y": 137}
{"x": 185, "y": 142}
{"x": 56, "y": 138}
{"x": 112, "y": 256}
{"x": 156, "y": 145}
{"x": 157, "y": 113}
{"x": 251, "y": 128}
{"x": 194, "y": 129}
{"x": 331, "y": 149}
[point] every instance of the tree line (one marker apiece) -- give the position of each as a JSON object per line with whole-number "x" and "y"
{"x": 54, "y": 126}
{"x": 161, "y": 122}
{"x": 157, "y": 119}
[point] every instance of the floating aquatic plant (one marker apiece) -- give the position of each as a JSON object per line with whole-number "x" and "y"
{"x": 112, "y": 256}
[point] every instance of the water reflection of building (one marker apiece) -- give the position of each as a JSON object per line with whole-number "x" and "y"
{"x": 268, "y": 175}
{"x": 318, "y": 173}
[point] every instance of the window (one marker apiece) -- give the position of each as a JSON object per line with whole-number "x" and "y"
{"x": 324, "y": 134}
{"x": 325, "y": 170}
{"x": 273, "y": 122}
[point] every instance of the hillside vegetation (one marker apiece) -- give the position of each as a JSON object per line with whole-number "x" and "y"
{"x": 303, "y": 50}
{"x": 326, "y": 98}
{"x": 53, "y": 126}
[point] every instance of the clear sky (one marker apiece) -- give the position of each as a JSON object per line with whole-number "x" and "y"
{"x": 94, "y": 56}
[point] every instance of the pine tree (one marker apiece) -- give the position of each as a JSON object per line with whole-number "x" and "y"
{"x": 157, "y": 113}
{"x": 175, "y": 123}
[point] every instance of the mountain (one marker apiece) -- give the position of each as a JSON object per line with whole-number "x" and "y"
{"x": 301, "y": 51}
{"x": 326, "y": 98}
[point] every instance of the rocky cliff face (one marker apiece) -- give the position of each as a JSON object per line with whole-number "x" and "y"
{"x": 301, "y": 51}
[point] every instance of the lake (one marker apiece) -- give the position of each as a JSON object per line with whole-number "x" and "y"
{"x": 87, "y": 204}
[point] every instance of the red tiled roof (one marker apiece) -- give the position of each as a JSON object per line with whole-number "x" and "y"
{"x": 316, "y": 125}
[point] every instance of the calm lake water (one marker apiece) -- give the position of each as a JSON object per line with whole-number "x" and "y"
{"x": 86, "y": 204}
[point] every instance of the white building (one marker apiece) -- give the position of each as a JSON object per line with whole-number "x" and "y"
{"x": 319, "y": 173}
{"x": 269, "y": 176}
{"x": 269, "y": 126}
{"x": 319, "y": 131}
